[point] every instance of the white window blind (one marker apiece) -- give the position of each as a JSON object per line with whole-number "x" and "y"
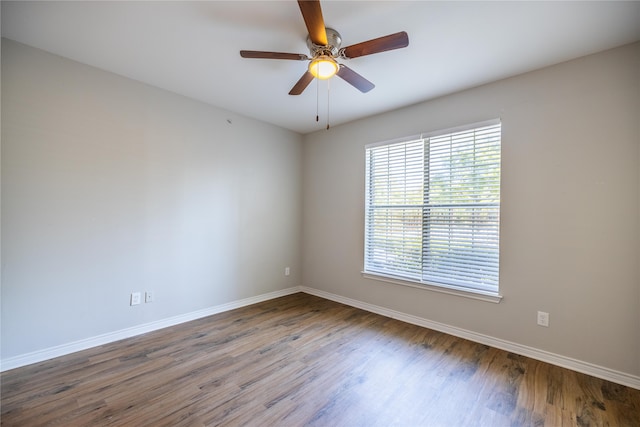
{"x": 433, "y": 208}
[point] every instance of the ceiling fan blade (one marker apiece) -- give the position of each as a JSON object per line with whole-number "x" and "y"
{"x": 381, "y": 44}
{"x": 302, "y": 84}
{"x": 312, "y": 15}
{"x": 355, "y": 79}
{"x": 273, "y": 55}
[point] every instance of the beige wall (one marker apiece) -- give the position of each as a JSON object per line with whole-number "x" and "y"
{"x": 570, "y": 218}
{"x": 110, "y": 186}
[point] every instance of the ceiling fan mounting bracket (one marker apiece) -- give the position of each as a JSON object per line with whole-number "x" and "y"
{"x": 334, "y": 40}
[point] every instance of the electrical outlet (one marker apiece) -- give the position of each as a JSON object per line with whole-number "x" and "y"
{"x": 148, "y": 296}
{"x": 543, "y": 319}
{"x": 287, "y": 271}
{"x": 135, "y": 298}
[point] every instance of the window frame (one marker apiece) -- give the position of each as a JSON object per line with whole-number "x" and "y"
{"x": 470, "y": 291}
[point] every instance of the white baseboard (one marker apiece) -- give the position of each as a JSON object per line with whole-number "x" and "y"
{"x": 545, "y": 356}
{"x": 64, "y": 349}
{"x": 534, "y": 353}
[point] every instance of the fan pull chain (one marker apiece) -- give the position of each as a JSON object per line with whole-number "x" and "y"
{"x": 317, "y": 100}
{"x": 328, "y": 92}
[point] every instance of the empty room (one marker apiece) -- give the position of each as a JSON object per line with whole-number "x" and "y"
{"x": 320, "y": 213}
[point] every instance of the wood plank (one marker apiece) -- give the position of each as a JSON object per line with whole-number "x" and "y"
{"x": 301, "y": 360}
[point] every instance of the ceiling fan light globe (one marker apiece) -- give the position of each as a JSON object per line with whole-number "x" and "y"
{"x": 323, "y": 67}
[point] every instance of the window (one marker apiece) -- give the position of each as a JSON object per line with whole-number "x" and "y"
{"x": 432, "y": 213}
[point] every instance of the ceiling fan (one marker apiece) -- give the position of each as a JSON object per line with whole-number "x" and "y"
{"x": 324, "y": 46}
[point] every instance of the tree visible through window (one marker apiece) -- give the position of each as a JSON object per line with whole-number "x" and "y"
{"x": 433, "y": 208}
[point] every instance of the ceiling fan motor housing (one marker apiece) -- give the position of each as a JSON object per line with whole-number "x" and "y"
{"x": 334, "y": 40}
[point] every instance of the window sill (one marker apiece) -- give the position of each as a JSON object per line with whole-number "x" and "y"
{"x": 451, "y": 290}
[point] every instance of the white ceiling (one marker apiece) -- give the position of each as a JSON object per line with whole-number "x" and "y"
{"x": 191, "y": 48}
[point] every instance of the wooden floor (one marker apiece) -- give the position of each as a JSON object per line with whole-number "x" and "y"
{"x": 304, "y": 361}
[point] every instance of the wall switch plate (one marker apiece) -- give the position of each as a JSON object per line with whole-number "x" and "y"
{"x": 543, "y": 319}
{"x": 148, "y": 296}
{"x": 287, "y": 271}
{"x": 135, "y": 298}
